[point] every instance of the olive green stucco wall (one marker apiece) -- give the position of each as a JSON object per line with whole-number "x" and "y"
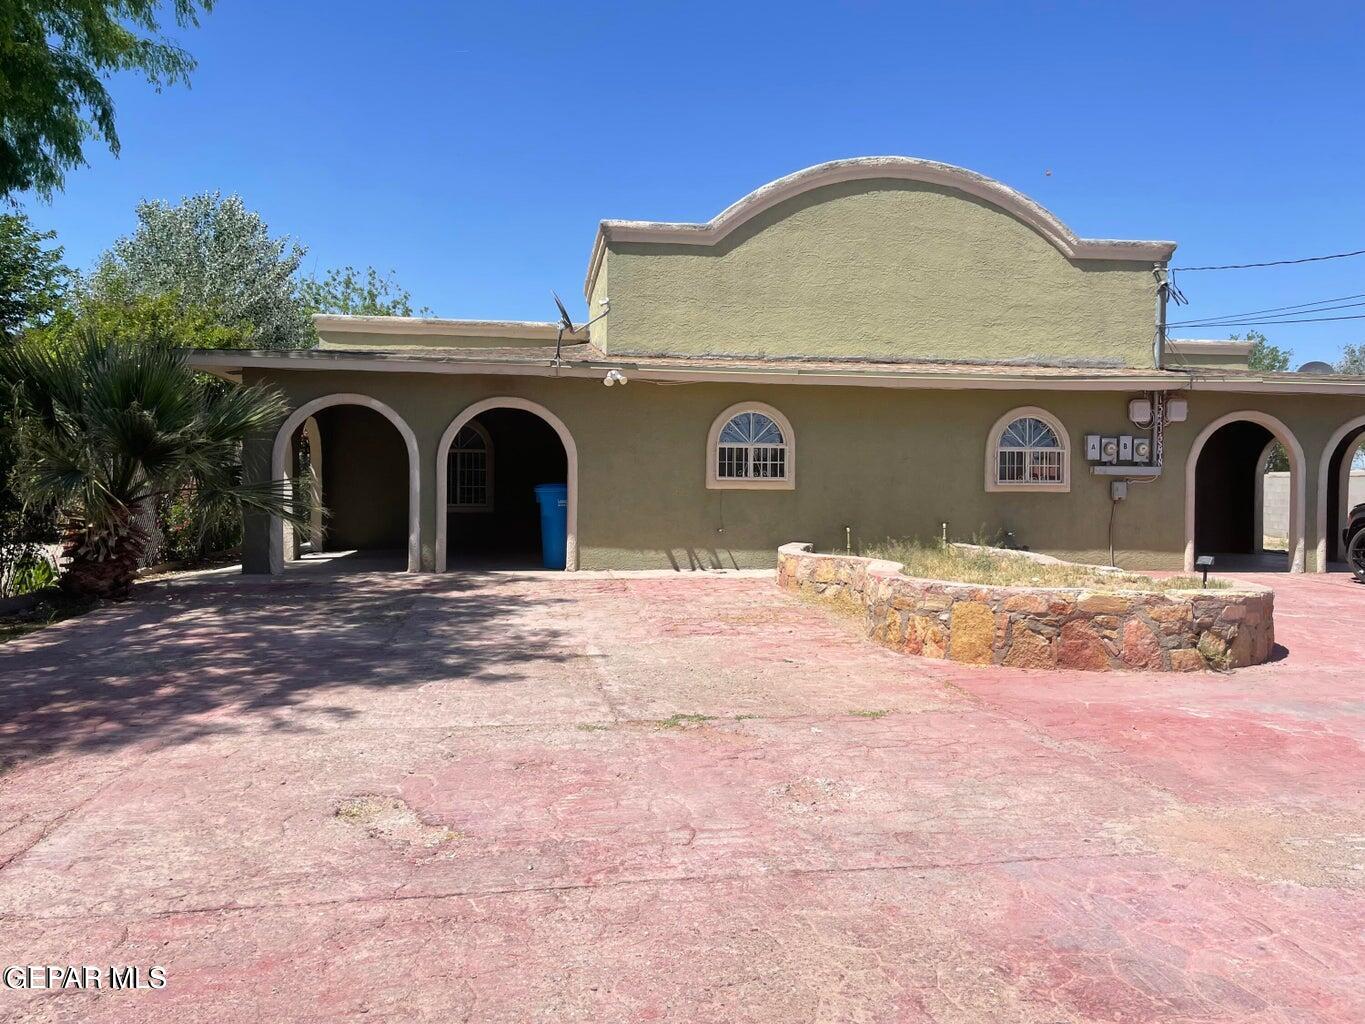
{"x": 883, "y": 462}
{"x": 880, "y": 268}
{"x": 364, "y": 479}
{"x": 600, "y": 332}
{"x": 1234, "y": 360}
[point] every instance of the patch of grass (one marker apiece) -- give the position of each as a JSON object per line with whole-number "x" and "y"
{"x": 744, "y": 718}
{"x": 1215, "y": 653}
{"x": 357, "y": 810}
{"x": 680, "y": 721}
{"x": 939, "y": 561}
{"x": 876, "y": 713}
{"x": 592, "y": 727}
{"x": 1191, "y": 583}
{"x": 391, "y": 819}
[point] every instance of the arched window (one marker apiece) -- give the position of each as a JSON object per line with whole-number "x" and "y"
{"x": 1028, "y": 450}
{"x": 751, "y": 447}
{"x": 469, "y": 468}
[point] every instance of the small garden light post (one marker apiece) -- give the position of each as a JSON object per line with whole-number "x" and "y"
{"x": 1204, "y": 563}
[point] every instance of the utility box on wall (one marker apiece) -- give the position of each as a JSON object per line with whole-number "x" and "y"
{"x": 1110, "y": 456}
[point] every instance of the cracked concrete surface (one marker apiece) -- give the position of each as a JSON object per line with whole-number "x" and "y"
{"x": 576, "y": 798}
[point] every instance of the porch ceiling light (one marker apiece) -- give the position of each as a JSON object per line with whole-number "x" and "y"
{"x": 615, "y": 377}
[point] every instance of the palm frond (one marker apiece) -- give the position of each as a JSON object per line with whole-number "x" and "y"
{"x": 105, "y": 426}
{"x": 241, "y": 411}
{"x": 291, "y": 500}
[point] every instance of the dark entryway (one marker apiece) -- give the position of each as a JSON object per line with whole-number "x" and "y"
{"x": 361, "y": 466}
{"x": 1226, "y": 494}
{"x": 494, "y": 465}
{"x": 1345, "y": 457}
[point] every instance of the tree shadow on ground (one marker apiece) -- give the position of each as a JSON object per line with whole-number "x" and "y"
{"x": 216, "y": 657}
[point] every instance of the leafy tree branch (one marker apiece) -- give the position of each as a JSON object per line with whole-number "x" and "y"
{"x": 54, "y": 58}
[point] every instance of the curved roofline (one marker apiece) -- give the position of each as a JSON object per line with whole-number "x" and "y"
{"x": 868, "y": 168}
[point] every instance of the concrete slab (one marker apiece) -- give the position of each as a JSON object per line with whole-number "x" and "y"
{"x": 513, "y": 797}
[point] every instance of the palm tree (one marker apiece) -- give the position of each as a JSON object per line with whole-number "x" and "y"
{"x": 105, "y": 428}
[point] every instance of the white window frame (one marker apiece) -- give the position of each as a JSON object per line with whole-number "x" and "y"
{"x": 993, "y": 482}
{"x": 487, "y": 505}
{"x": 786, "y": 482}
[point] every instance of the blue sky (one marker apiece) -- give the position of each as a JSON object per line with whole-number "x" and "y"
{"x": 473, "y": 148}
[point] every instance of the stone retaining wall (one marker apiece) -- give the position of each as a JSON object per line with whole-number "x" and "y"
{"x": 1035, "y": 627}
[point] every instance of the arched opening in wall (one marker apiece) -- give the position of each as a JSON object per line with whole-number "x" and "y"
{"x": 1245, "y": 516}
{"x": 1345, "y": 478}
{"x": 361, "y": 458}
{"x": 493, "y": 516}
{"x": 1271, "y": 530}
{"x": 305, "y": 458}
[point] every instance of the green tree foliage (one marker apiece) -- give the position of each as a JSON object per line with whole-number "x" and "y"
{"x": 131, "y": 318}
{"x": 213, "y": 259}
{"x": 1278, "y": 461}
{"x": 33, "y": 284}
{"x": 53, "y": 57}
{"x": 33, "y": 280}
{"x": 106, "y": 428}
{"x": 357, "y": 293}
{"x": 1352, "y": 360}
{"x": 1264, "y": 356}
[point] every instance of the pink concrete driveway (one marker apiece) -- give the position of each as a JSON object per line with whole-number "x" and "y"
{"x": 688, "y": 799}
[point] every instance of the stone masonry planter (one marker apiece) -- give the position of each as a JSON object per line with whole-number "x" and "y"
{"x": 1038, "y": 627}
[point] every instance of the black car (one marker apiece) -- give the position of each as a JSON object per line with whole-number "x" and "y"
{"x": 1354, "y": 536}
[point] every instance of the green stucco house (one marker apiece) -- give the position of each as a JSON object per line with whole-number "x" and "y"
{"x": 870, "y": 348}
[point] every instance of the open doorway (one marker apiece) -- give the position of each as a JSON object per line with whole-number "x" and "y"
{"x": 1245, "y": 507}
{"x": 1271, "y": 532}
{"x": 495, "y": 462}
{"x": 1344, "y": 476}
{"x": 361, "y": 457}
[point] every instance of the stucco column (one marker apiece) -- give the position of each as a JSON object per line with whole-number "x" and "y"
{"x": 426, "y": 447}
{"x": 1309, "y": 561}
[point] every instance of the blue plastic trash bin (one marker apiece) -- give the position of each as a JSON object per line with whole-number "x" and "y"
{"x": 554, "y": 524}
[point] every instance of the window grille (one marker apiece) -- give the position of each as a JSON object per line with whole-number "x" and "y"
{"x": 751, "y": 447}
{"x": 469, "y": 470}
{"x": 1030, "y": 452}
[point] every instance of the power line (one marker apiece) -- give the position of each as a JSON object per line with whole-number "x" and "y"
{"x": 1276, "y": 263}
{"x": 1321, "y": 303}
{"x": 1256, "y": 323}
{"x": 1232, "y": 318}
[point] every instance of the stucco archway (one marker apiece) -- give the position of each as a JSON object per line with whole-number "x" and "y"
{"x": 1324, "y": 471}
{"x": 570, "y": 454}
{"x": 1262, "y": 467}
{"x": 313, "y": 436}
{"x": 279, "y": 470}
{"x": 1298, "y": 485}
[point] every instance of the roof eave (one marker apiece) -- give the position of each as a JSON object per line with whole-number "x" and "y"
{"x": 231, "y": 362}
{"x": 410, "y": 326}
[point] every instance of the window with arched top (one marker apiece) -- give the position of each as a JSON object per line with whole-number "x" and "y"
{"x": 1028, "y": 450}
{"x": 469, "y": 470}
{"x": 752, "y": 447}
